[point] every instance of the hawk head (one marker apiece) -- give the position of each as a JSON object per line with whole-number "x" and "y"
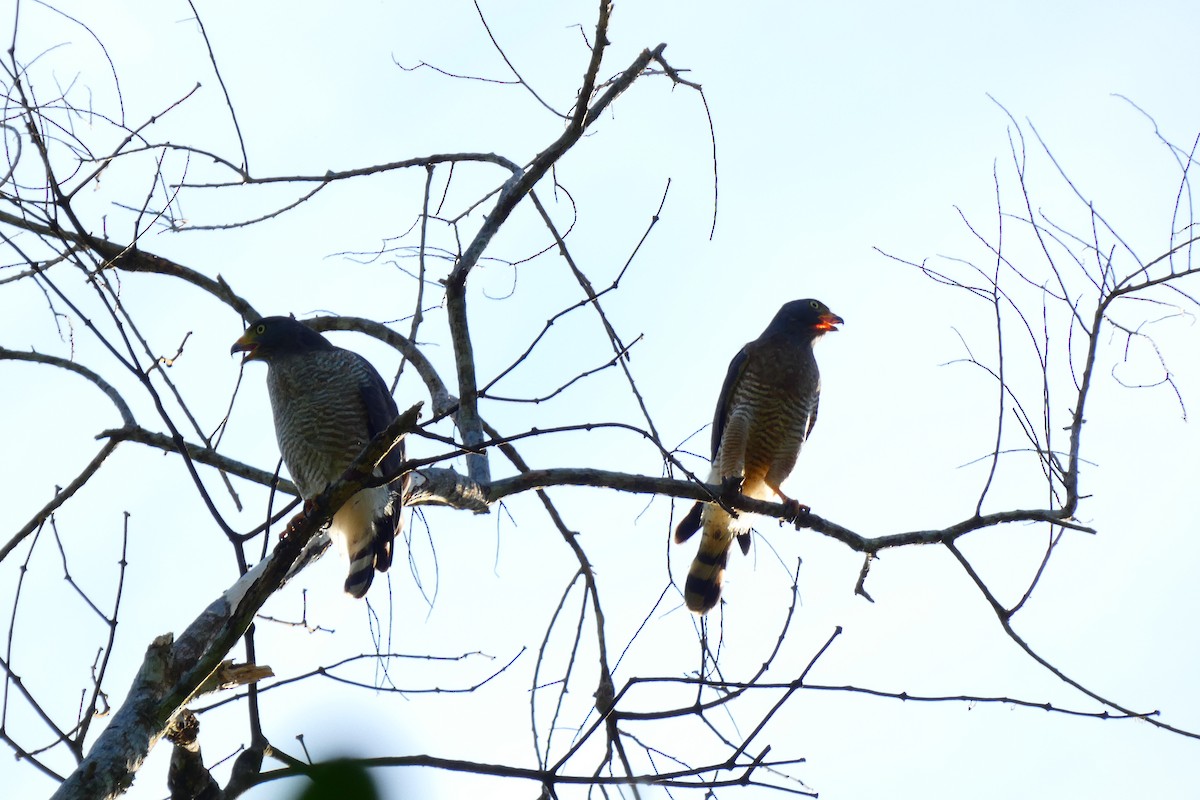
{"x": 809, "y": 318}
{"x": 275, "y": 337}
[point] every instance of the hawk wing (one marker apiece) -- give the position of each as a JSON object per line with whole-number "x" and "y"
{"x": 736, "y": 367}
{"x": 691, "y": 522}
{"x": 381, "y": 411}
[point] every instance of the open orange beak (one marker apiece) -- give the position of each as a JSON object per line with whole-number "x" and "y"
{"x": 829, "y": 322}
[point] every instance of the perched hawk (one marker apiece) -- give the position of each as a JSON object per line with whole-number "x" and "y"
{"x": 328, "y": 404}
{"x": 767, "y": 408}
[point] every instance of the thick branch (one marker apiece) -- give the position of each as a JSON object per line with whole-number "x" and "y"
{"x": 515, "y": 190}
{"x": 512, "y": 193}
{"x": 174, "y": 671}
{"x": 644, "y": 484}
{"x": 470, "y": 426}
{"x": 78, "y": 369}
{"x": 131, "y": 259}
{"x": 201, "y": 455}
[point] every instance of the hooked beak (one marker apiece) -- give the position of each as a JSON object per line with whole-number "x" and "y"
{"x": 829, "y": 322}
{"x": 247, "y": 345}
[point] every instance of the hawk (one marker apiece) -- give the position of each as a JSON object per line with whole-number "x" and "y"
{"x": 766, "y": 411}
{"x": 328, "y": 403}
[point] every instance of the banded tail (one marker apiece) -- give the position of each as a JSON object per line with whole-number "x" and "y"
{"x": 364, "y": 529}
{"x": 375, "y": 556}
{"x": 702, "y": 590}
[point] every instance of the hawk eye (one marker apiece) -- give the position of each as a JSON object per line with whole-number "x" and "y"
{"x": 260, "y": 330}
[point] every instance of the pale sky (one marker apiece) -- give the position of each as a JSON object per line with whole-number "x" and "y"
{"x": 842, "y": 130}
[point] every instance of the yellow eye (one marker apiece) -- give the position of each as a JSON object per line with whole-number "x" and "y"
{"x": 260, "y": 330}
{"x": 813, "y": 303}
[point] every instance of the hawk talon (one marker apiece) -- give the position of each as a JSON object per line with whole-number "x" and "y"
{"x": 293, "y": 525}
{"x": 793, "y": 510}
{"x": 295, "y": 522}
{"x": 732, "y": 486}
